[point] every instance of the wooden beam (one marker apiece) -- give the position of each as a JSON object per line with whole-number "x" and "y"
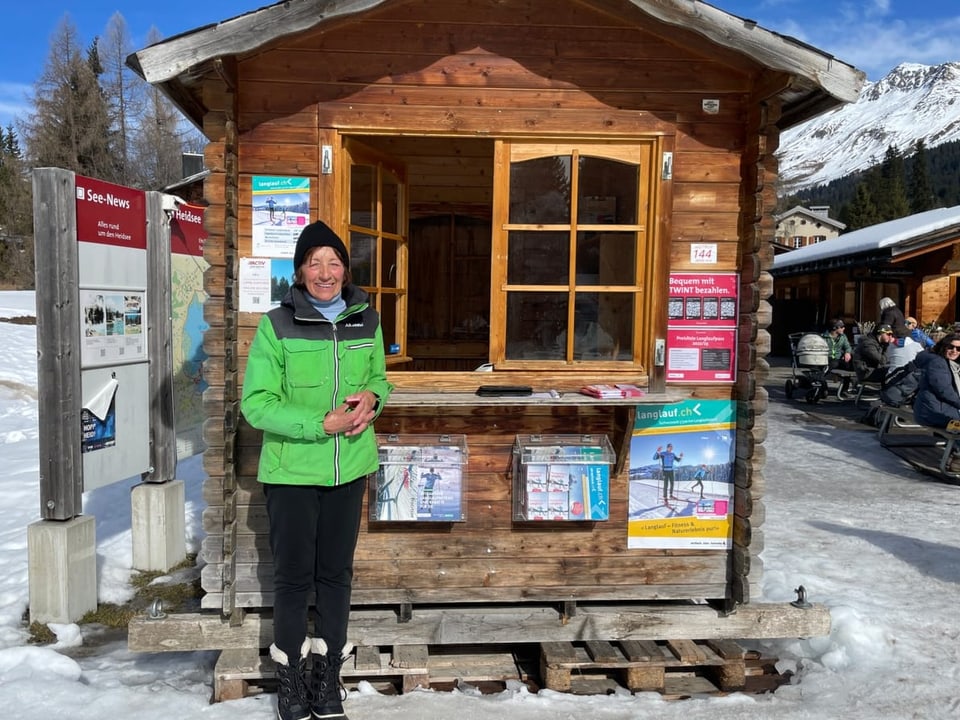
{"x": 199, "y": 631}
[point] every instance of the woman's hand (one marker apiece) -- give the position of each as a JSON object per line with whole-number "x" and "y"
{"x": 353, "y": 416}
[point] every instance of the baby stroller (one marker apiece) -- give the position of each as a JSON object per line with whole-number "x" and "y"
{"x": 811, "y": 364}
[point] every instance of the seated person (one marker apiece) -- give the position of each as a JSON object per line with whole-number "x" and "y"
{"x": 918, "y": 335}
{"x": 901, "y": 351}
{"x": 937, "y": 403}
{"x": 869, "y": 359}
{"x": 840, "y": 352}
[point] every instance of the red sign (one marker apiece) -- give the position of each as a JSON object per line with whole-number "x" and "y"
{"x": 187, "y": 232}
{"x": 702, "y": 327}
{"x": 702, "y": 355}
{"x": 110, "y": 214}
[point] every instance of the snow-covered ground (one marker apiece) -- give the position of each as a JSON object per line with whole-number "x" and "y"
{"x": 861, "y": 531}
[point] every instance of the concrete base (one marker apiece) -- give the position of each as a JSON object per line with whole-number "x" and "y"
{"x": 62, "y": 566}
{"x": 158, "y": 525}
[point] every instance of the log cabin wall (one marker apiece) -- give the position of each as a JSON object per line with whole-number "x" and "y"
{"x": 428, "y": 68}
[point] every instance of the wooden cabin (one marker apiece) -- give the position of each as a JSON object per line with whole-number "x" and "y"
{"x": 509, "y": 175}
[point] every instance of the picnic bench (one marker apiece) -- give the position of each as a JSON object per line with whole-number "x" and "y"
{"x": 927, "y": 448}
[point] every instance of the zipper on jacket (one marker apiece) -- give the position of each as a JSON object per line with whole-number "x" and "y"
{"x": 336, "y": 392}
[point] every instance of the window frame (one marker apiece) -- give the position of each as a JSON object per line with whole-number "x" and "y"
{"x": 646, "y": 153}
{"x": 358, "y": 154}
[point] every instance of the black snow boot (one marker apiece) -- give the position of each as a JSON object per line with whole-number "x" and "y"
{"x": 293, "y": 700}
{"x": 326, "y": 692}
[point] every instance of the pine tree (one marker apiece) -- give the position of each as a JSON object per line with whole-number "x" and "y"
{"x": 921, "y": 193}
{"x": 862, "y": 211}
{"x": 889, "y": 193}
{"x": 16, "y": 205}
{"x": 16, "y": 215}
{"x": 70, "y": 125}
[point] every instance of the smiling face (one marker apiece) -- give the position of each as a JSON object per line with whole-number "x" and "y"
{"x": 323, "y": 273}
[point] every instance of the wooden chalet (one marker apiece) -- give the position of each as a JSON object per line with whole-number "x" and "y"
{"x": 501, "y": 169}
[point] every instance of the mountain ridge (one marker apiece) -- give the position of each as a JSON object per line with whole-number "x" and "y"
{"x": 912, "y": 102}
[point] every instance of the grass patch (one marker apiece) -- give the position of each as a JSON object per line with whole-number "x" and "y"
{"x": 176, "y": 596}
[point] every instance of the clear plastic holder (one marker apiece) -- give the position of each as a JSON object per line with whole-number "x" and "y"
{"x": 422, "y": 478}
{"x": 562, "y": 477}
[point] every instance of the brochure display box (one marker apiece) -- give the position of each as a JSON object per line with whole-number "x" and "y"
{"x": 421, "y": 479}
{"x": 562, "y": 477}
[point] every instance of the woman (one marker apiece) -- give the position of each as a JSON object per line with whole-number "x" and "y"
{"x": 314, "y": 383}
{"x": 938, "y": 396}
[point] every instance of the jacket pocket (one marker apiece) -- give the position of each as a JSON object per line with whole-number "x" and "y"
{"x": 355, "y": 361}
{"x": 305, "y": 367}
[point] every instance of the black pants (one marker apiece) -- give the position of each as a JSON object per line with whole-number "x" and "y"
{"x": 667, "y": 484}
{"x": 313, "y": 535}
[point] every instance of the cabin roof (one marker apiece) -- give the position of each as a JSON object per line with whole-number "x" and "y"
{"x": 818, "y": 81}
{"x": 893, "y": 240}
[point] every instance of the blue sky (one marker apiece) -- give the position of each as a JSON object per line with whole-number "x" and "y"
{"x": 873, "y": 35}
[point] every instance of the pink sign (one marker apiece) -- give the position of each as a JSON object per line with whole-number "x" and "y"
{"x": 110, "y": 214}
{"x": 702, "y": 300}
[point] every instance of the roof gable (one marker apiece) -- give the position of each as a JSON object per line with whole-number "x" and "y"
{"x": 815, "y": 81}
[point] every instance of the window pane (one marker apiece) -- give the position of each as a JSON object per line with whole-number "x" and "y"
{"x": 538, "y": 258}
{"x": 603, "y": 326}
{"x": 390, "y": 204}
{"x": 363, "y": 259}
{"x": 534, "y": 325}
{"x": 607, "y": 193}
{"x": 363, "y": 196}
{"x": 388, "y": 258}
{"x": 606, "y": 258}
{"x": 540, "y": 190}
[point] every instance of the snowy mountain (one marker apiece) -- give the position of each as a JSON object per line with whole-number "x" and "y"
{"x": 913, "y": 102}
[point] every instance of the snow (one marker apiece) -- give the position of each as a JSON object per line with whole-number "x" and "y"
{"x": 866, "y": 535}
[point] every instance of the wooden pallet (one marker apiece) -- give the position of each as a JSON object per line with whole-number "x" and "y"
{"x": 672, "y": 667}
{"x": 401, "y": 668}
{"x": 676, "y": 668}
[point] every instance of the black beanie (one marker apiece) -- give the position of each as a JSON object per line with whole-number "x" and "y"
{"x": 318, "y": 234}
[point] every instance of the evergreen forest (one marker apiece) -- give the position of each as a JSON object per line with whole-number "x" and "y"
{"x": 926, "y": 179}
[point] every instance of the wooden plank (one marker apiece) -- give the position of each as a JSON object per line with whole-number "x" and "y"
{"x": 641, "y": 650}
{"x": 414, "y": 661}
{"x": 367, "y": 658}
{"x": 207, "y": 631}
{"x": 603, "y": 652}
{"x": 234, "y": 668}
{"x": 555, "y": 658}
{"x": 686, "y": 651}
{"x": 410, "y": 657}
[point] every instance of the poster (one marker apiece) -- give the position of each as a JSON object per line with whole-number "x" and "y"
{"x": 681, "y": 476}
{"x": 702, "y": 317}
{"x": 98, "y": 418}
{"x": 264, "y": 282}
{"x": 281, "y": 209}
{"x": 187, "y": 298}
{"x": 112, "y": 329}
{"x": 418, "y": 483}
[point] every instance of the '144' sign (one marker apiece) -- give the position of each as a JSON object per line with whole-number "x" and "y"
{"x": 703, "y": 253}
